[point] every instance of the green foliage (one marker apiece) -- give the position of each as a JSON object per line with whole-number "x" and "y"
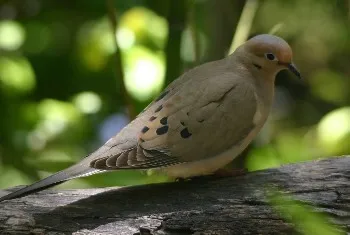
{"x": 306, "y": 220}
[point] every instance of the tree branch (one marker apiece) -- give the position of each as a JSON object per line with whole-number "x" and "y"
{"x": 119, "y": 72}
{"x": 176, "y": 19}
{"x": 237, "y": 205}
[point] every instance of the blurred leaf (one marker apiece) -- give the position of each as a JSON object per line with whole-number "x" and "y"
{"x": 144, "y": 25}
{"x": 87, "y": 102}
{"x": 290, "y": 146}
{"x": 144, "y": 73}
{"x": 302, "y": 216}
{"x": 12, "y": 35}
{"x": 330, "y": 86}
{"x": 10, "y": 177}
{"x": 262, "y": 158}
{"x": 334, "y": 131}
{"x": 17, "y": 75}
{"x": 188, "y": 47}
{"x": 37, "y": 30}
{"x": 95, "y": 44}
{"x": 51, "y": 160}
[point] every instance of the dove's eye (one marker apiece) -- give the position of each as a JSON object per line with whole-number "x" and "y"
{"x": 270, "y": 56}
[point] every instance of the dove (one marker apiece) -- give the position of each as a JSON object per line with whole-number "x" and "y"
{"x": 198, "y": 124}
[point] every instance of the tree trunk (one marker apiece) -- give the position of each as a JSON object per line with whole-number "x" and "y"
{"x": 239, "y": 205}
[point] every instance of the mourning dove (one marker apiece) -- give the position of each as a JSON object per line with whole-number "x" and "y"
{"x": 200, "y": 122}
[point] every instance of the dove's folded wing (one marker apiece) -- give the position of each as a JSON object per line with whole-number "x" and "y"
{"x": 184, "y": 125}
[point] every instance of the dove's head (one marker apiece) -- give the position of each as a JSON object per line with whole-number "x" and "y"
{"x": 269, "y": 54}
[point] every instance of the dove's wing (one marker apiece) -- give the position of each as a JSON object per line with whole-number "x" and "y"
{"x": 188, "y": 124}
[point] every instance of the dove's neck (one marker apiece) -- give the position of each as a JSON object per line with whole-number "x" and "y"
{"x": 265, "y": 89}
{"x": 262, "y": 80}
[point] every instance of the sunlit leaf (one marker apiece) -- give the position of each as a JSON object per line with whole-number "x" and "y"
{"x": 12, "y": 35}
{"x": 87, "y": 102}
{"x": 144, "y": 23}
{"x": 125, "y": 38}
{"x": 334, "y": 131}
{"x": 17, "y": 75}
{"x": 144, "y": 73}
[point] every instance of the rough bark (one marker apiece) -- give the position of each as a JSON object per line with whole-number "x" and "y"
{"x": 237, "y": 205}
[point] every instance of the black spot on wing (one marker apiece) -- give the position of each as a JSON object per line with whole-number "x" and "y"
{"x": 164, "y": 121}
{"x": 159, "y": 108}
{"x": 162, "y": 95}
{"x": 162, "y": 130}
{"x": 145, "y": 129}
{"x": 152, "y": 118}
{"x": 185, "y": 133}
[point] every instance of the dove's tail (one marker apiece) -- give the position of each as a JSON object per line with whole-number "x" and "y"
{"x": 72, "y": 172}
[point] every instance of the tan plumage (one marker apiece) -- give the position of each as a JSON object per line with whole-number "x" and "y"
{"x": 201, "y": 121}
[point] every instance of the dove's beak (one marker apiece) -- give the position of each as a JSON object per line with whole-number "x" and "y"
{"x": 292, "y": 68}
